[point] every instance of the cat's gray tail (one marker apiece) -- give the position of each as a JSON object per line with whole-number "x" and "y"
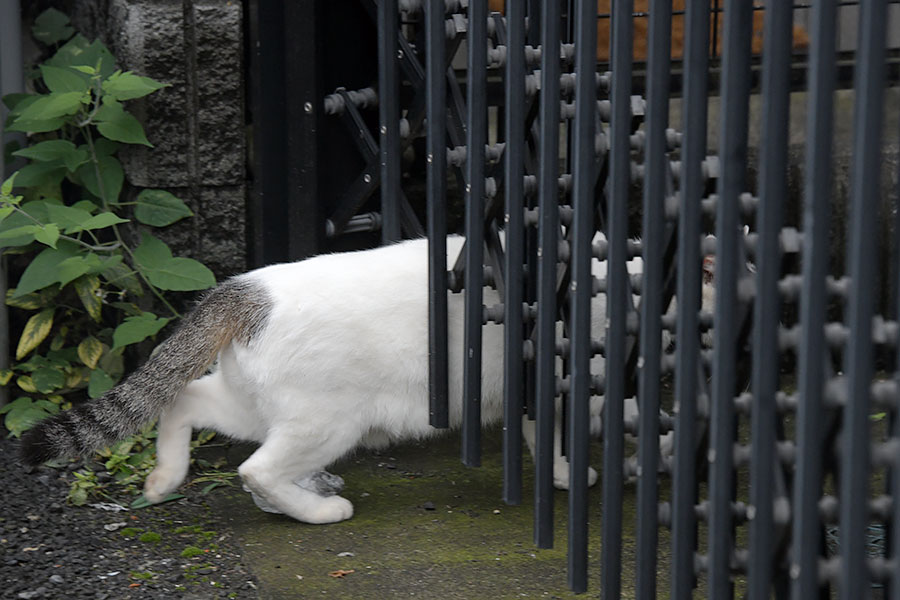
{"x": 237, "y": 310}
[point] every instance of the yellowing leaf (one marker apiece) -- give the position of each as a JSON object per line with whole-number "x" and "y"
{"x": 36, "y": 330}
{"x": 5, "y": 376}
{"x": 74, "y": 378}
{"x": 87, "y": 288}
{"x": 26, "y": 383}
{"x": 90, "y": 350}
{"x": 32, "y": 301}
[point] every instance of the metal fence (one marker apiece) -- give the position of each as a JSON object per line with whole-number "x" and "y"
{"x": 787, "y": 424}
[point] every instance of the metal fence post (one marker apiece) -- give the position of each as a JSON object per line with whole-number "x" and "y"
{"x": 858, "y": 357}
{"x": 732, "y": 183}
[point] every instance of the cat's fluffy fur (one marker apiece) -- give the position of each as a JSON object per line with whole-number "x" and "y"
{"x": 315, "y": 358}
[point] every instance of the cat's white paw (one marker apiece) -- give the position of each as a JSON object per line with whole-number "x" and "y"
{"x": 667, "y": 444}
{"x": 561, "y": 475}
{"x": 160, "y": 483}
{"x": 330, "y": 510}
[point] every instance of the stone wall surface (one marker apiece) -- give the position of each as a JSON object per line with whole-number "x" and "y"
{"x": 196, "y": 125}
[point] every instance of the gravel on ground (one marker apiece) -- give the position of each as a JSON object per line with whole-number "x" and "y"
{"x": 52, "y": 549}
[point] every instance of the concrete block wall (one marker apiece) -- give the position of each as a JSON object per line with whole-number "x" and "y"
{"x": 196, "y": 125}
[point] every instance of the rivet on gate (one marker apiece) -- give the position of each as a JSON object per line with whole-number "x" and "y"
{"x": 400, "y": 54}
{"x": 468, "y": 188}
{"x": 383, "y": 130}
{"x": 308, "y": 107}
{"x": 367, "y": 178}
{"x": 711, "y": 455}
{"x": 429, "y": 158}
{"x": 574, "y": 286}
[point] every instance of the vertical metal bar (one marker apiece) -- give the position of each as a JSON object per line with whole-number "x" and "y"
{"x": 693, "y": 152}
{"x": 858, "y": 358}
{"x": 732, "y": 183}
{"x": 893, "y": 587}
{"x": 807, "y": 526}
{"x": 11, "y": 80}
{"x": 548, "y": 205}
{"x": 581, "y": 289}
{"x": 893, "y": 591}
{"x": 389, "y": 119}
{"x": 772, "y": 192}
{"x": 618, "y": 298}
{"x": 476, "y": 138}
{"x": 515, "y": 253}
{"x": 436, "y": 151}
{"x": 269, "y": 211}
{"x": 660, "y": 33}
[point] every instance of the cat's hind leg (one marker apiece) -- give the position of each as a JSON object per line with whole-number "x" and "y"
{"x": 206, "y": 402}
{"x": 560, "y": 462}
{"x": 289, "y": 454}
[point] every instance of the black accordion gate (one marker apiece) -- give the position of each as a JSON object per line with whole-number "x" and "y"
{"x": 535, "y": 127}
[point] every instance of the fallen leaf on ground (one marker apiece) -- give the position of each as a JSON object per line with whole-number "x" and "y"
{"x": 341, "y": 572}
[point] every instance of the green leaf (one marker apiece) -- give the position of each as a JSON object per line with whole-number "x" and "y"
{"x": 5, "y": 376}
{"x": 99, "y": 383}
{"x": 55, "y": 151}
{"x": 36, "y": 125}
{"x": 64, "y": 79}
{"x": 105, "y": 147}
{"x": 41, "y": 173}
{"x": 43, "y": 271}
{"x": 87, "y": 288}
{"x": 19, "y": 236}
{"x": 47, "y": 150}
{"x": 37, "y": 328}
{"x": 67, "y": 217}
{"x": 111, "y": 177}
{"x": 74, "y": 267}
{"x": 47, "y": 235}
{"x": 90, "y": 350}
{"x": 182, "y": 275}
{"x": 116, "y": 124}
{"x": 127, "y": 85}
{"x": 210, "y": 487}
{"x": 152, "y": 252}
{"x": 143, "y": 503}
{"x": 160, "y": 208}
{"x": 167, "y": 273}
{"x": 137, "y": 329}
{"x": 11, "y": 101}
{"x": 7, "y": 186}
{"x": 52, "y": 106}
{"x": 51, "y": 26}
{"x": 48, "y": 379}
{"x": 79, "y": 51}
{"x": 101, "y": 220}
{"x": 23, "y": 413}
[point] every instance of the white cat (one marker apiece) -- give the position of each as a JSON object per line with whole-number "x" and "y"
{"x": 315, "y": 358}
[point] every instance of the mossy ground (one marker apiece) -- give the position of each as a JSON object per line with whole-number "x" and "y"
{"x": 425, "y": 526}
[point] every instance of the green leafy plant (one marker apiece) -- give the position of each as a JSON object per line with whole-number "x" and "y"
{"x": 91, "y": 286}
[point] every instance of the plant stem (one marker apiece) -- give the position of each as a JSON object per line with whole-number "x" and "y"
{"x": 90, "y": 141}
